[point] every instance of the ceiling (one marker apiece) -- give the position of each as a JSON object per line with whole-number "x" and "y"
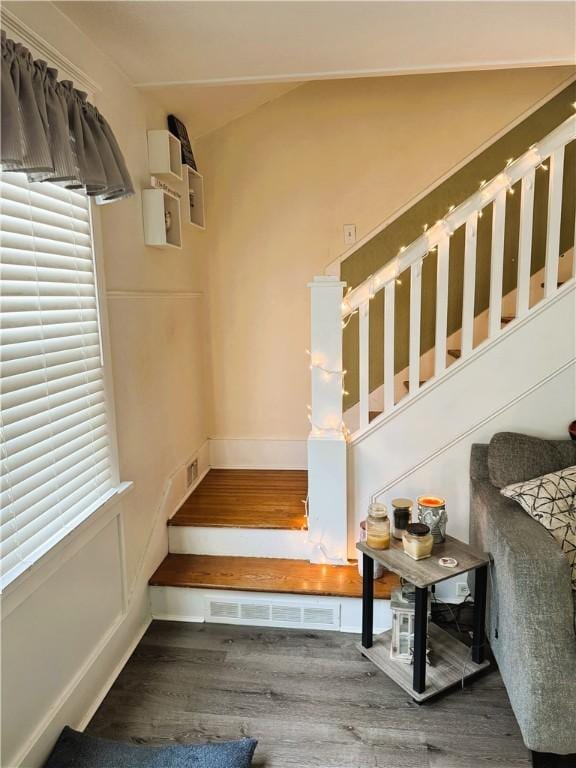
{"x": 205, "y": 108}
{"x": 258, "y": 42}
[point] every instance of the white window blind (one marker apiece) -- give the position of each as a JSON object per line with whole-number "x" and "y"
{"x": 57, "y": 463}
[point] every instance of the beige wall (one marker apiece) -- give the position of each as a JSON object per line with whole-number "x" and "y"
{"x": 82, "y": 619}
{"x": 281, "y": 182}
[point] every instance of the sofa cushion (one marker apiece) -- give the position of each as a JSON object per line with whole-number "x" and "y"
{"x": 551, "y": 500}
{"x": 515, "y": 458}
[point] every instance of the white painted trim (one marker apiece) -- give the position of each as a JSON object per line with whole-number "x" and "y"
{"x": 41, "y": 49}
{"x": 23, "y": 756}
{"x": 111, "y": 679}
{"x": 188, "y": 604}
{"x": 459, "y": 365}
{"x": 257, "y": 453}
{"x": 26, "y": 583}
{"x": 347, "y": 74}
{"x": 239, "y": 542}
{"x": 475, "y": 427}
{"x": 333, "y": 268}
{"x": 154, "y": 294}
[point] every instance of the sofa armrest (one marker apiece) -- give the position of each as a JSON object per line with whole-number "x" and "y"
{"x": 531, "y": 618}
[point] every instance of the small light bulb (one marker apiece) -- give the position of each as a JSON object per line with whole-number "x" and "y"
{"x": 509, "y": 161}
{"x": 511, "y": 191}
{"x": 482, "y": 183}
{"x": 543, "y": 166}
{"x": 398, "y": 281}
{"x": 425, "y": 227}
{"x": 480, "y": 214}
{"x": 451, "y": 208}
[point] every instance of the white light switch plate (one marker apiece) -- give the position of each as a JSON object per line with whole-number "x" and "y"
{"x": 349, "y": 234}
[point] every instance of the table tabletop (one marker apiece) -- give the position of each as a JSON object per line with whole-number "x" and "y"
{"x": 424, "y": 573}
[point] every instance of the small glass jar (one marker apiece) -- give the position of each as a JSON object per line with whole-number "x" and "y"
{"x": 378, "y": 527}
{"x": 401, "y": 515}
{"x": 417, "y": 541}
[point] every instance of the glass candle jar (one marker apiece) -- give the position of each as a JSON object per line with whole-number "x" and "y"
{"x": 378, "y": 527}
{"x": 417, "y": 541}
{"x": 401, "y": 514}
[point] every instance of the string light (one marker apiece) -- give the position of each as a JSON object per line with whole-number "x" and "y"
{"x": 425, "y": 227}
{"x": 543, "y": 167}
{"x": 327, "y": 371}
{"x": 511, "y": 191}
{"x": 451, "y": 208}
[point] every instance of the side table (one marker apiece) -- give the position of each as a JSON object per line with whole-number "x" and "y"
{"x": 453, "y": 662}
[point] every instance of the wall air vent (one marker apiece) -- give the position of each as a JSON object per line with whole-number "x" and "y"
{"x": 273, "y": 613}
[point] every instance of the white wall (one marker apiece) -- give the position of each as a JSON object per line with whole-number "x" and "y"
{"x": 523, "y": 382}
{"x": 68, "y": 627}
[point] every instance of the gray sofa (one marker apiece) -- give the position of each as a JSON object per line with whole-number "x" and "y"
{"x": 531, "y": 608}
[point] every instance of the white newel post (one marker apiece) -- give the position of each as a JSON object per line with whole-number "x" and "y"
{"x": 327, "y": 500}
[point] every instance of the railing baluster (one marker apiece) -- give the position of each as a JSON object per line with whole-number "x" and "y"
{"x": 468, "y": 303}
{"x": 497, "y": 264}
{"x": 442, "y": 267}
{"x": 415, "y": 310}
{"x": 554, "y": 214}
{"x": 525, "y": 244}
{"x": 364, "y": 355}
{"x": 389, "y": 297}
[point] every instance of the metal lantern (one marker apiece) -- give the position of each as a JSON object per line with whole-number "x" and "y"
{"x": 402, "y": 606}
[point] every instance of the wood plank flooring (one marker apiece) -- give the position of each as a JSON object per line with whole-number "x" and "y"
{"x": 243, "y": 498}
{"x": 310, "y": 699}
{"x": 266, "y": 574}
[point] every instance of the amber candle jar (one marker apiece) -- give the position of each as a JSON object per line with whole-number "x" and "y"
{"x": 378, "y": 527}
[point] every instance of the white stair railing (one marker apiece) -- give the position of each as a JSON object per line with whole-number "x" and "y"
{"x": 548, "y": 153}
{"x": 330, "y": 312}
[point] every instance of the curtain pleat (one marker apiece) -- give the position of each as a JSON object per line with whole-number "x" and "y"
{"x": 51, "y": 132}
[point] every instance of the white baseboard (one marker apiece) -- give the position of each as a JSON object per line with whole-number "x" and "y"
{"x": 190, "y": 605}
{"x": 257, "y": 453}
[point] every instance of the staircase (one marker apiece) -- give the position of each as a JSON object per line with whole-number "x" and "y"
{"x": 237, "y": 548}
{"x": 273, "y": 547}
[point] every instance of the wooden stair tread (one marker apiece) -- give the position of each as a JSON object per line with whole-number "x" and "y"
{"x": 507, "y": 319}
{"x": 407, "y": 383}
{"x": 455, "y": 353}
{"x": 262, "y": 574}
{"x": 247, "y": 498}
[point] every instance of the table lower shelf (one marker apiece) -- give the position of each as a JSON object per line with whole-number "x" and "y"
{"x": 451, "y": 663}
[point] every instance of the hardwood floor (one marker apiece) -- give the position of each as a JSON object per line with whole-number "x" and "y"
{"x": 239, "y": 498}
{"x": 266, "y": 574}
{"x": 309, "y": 698}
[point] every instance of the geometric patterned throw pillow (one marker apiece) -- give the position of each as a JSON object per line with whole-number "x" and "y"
{"x": 551, "y": 500}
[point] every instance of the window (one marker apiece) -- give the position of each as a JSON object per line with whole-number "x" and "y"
{"x": 56, "y": 440}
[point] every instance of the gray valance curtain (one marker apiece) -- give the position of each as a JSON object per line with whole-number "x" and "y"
{"x": 52, "y": 133}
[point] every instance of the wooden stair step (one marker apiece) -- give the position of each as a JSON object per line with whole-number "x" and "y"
{"x": 455, "y": 353}
{"x": 373, "y": 415}
{"x": 407, "y": 384}
{"x": 559, "y": 284}
{"x": 247, "y": 498}
{"x": 507, "y": 319}
{"x": 262, "y": 574}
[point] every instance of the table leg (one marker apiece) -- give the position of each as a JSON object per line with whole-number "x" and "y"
{"x": 479, "y": 635}
{"x": 367, "y": 600}
{"x": 420, "y": 633}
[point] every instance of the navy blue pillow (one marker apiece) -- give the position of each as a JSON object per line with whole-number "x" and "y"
{"x": 80, "y": 750}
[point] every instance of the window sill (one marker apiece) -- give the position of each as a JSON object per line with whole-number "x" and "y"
{"x": 71, "y": 541}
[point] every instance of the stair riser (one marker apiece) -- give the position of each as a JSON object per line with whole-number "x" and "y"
{"x": 193, "y": 605}
{"x": 241, "y": 542}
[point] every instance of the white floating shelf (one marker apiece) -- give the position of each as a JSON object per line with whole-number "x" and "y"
{"x": 161, "y": 213}
{"x": 195, "y": 193}
{"x": 164, "y": 154}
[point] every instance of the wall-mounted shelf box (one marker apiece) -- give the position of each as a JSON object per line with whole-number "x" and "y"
{"x": 164, "y": 154}
{"x": 195, "y": 191}
{"x": 159, "y": 209}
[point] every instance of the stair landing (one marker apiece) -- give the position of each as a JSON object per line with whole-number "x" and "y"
{"x": 264, "y": 574}
{"x": 247, "y": 498}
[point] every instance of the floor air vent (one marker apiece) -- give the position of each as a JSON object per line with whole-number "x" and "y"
{"x": 273, "y": 613}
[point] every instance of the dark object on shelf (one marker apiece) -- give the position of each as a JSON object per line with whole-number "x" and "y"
{"x": 572, "y": 430}
{"x": 178, "y": 129}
